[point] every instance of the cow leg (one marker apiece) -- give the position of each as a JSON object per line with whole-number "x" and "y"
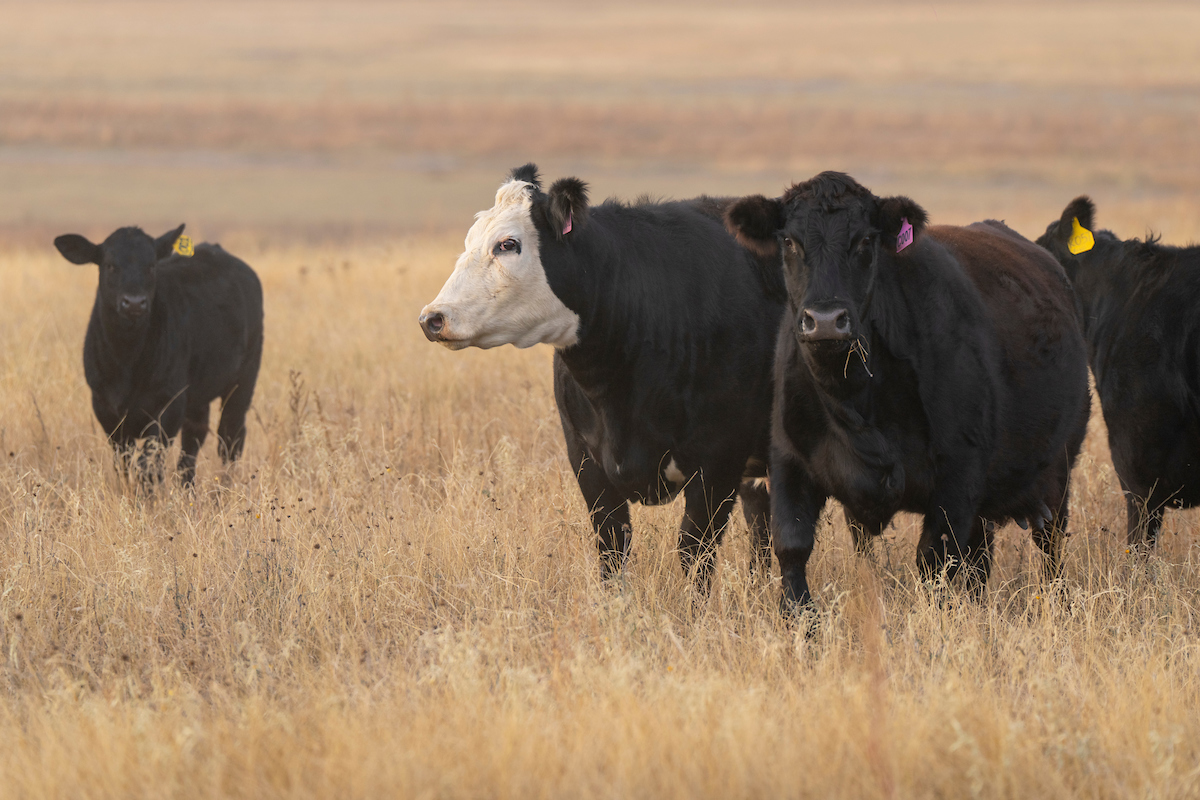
{"x": 231, "y": 430}
{"x": 1049, "y": 537}
{"x": 705, "y": 515}
{"x": 949, "y": 535}
{"x": 756, "y": 508}
{"x": 194, "y": 432}
{"x": 977, "y": 556}
{"x": 795, "y": 506}
{"x": 862, "y": 533}
{"x": 1143, "y": 521}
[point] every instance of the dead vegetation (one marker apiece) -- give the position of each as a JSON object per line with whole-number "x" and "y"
{"x": 395, "y": 594}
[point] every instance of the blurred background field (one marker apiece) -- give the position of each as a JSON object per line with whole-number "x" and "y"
{"x": 395, "y": 593}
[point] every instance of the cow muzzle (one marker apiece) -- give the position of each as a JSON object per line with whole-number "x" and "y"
{"x": 133, "y": 306}
{"x": 433, "y": 323}
{"x": 825, "y": 325}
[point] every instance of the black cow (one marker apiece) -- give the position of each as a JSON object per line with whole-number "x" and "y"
{"x": 1140, "y": 317}
{"x": 664, "y": 328}
{"x": 169, "y": 334}
{"x": 937, "y": 371}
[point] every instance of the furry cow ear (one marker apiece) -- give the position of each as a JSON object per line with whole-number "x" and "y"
{"x": 900, "y": 221}
{"x": 1081, "y": 208}
{"x": 165, "y": 243}
{"x": 755, "y": 222}
{"x": 527, "y": 173}
{"x": 568, "y": 206}
{"x": 77, "y": 249}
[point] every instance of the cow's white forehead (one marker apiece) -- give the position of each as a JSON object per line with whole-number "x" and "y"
{"x": 508, "y": 214}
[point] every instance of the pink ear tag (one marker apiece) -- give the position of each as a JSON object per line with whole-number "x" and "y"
{"x": 905, "y": 237}
{"x": 567, "y": 224}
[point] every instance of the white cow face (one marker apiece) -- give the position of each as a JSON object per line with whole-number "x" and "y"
{"x": 498, "y": 293}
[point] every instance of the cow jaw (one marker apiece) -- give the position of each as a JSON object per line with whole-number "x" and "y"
{"x": 490, "y": 300}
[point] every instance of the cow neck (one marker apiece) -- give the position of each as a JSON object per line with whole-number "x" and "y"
{"x": 605, "y": 352}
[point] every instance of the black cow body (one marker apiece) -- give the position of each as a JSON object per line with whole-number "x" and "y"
{"x": 666, "y": 385}
{"x": 949, "y": 379}
{"x": 673, "y": 367}
{"x": 1140, "y": 302}
{"x": 196, "y": 335}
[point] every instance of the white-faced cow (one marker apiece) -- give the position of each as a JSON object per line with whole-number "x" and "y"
{"x": 940, "y": 371}
{"x": 1140, "y": 317}
{"x": 664, "y": 331}
{"x": 169, "y": 333}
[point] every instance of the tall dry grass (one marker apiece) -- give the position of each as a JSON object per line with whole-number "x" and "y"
{"x": 396, "y": 594}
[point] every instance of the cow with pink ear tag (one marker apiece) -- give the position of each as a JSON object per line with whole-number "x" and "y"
{"x": 936, "y": 370}
{"x": 663, "y": 328}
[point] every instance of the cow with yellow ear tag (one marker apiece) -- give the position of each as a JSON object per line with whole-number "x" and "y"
{"x": 1140, "y": 301}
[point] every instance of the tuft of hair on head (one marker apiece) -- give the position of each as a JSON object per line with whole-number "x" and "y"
{"x": 568, "y": 205}
{"x": 1081, "y": 208}
{"x": 755, "y": 222}
{"x": 527, "y": 173}
{"x": 892, "y": 212}
{"x": 828, "y": 189}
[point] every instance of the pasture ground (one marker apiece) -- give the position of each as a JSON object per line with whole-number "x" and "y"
{"x": 395, "y": 592}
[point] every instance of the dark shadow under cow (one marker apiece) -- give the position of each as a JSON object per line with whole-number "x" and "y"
{"x": 940, "y": 371}
{"x": 1141, "y": 318}
{"x": 169, "y": 333}
{"x": 664, "y": 329}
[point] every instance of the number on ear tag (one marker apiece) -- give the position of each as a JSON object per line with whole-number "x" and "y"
{"x": 183, "y": 246}
{"x": 1081, "y": 238}
{"x": 905, "y": 237}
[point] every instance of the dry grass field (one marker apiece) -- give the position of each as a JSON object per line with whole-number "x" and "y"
{"x": 395, "y": 593}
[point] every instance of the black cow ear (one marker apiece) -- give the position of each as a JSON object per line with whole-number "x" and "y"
{"x": 755, "y": 222}
{"x": 900, "y": 221}
{"x": 77, "y": 249}
{"x": 1081, "y": 208}
{"x": 165, "y": 243}
{"x": 568, "y": 206}
{"x": 527, "y": 173}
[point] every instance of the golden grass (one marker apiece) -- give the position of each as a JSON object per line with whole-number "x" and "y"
{"x": 395, "y": 594}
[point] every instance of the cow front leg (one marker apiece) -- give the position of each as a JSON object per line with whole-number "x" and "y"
{"x": 705, "y": 515}
{"x": 1143, "y": 521}
{"x": 977, "y": 556}
{"x": 756, "y": 508}
{"x": 607, "y": 509}
{"x": 950, "y": 535}
{"x": 796, "y": 504}
{"x": 193, "y": 434}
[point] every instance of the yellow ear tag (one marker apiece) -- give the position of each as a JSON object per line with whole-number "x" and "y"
{"x": 183, "y": 246}
{"x": 1081, "y": 238}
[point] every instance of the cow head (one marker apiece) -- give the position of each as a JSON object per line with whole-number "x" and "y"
{"x": 498, "y": 293}
{"x": 833, "y": 236}
{"x": 1058, "y": 236}
{"x": 127, "y": 260}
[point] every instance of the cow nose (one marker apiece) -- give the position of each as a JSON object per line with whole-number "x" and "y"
{"x": 134, "y": 305}
{"x": 432, "y": 324}
{"x": 818, "y": 326}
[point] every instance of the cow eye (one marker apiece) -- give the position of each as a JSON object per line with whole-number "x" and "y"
{"x": 506, "y": 246}
{"x": 790, "y": 244}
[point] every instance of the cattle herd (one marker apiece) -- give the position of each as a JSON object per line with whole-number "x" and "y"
{"x": 826, "y": 343}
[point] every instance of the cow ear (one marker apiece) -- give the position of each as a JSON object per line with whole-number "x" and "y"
{"x": 568, "y": 206}
{"x": 77, "y": 249}
{"x": 165, "y": 243}
{"x": 1081, "y": 208}
{"x": 755, "y": 221}
{"x": 527, "y": 173}
{"x": 900, "y": 221}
